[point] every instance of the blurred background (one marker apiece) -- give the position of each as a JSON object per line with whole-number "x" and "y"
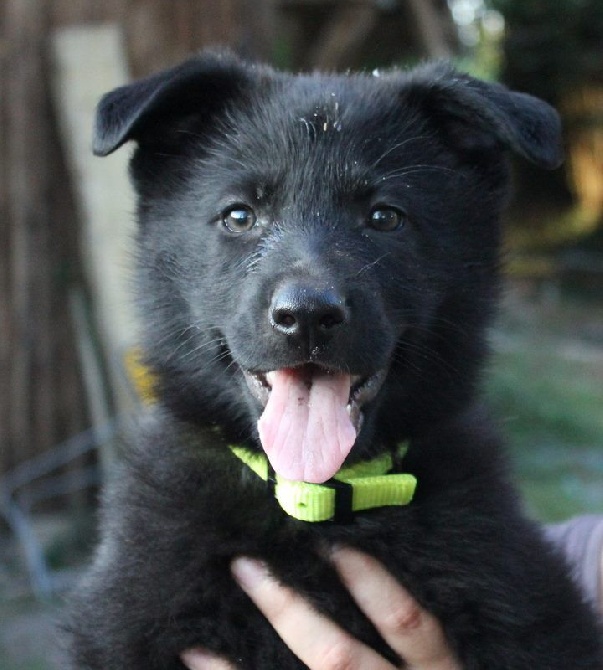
{"x": 67, "y": 337}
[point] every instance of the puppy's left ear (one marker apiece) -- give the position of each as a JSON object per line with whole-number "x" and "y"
{"x": 479, "y": 115}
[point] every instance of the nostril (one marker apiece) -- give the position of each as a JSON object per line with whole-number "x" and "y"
{"x": 332, "y": 316}
{"x": 283, "y": 318}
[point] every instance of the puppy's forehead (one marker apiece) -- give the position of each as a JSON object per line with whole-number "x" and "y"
{"x": 319, "y": 117}
{"x": 325, "y": 102}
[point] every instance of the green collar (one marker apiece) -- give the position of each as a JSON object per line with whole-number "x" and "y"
{"x": 362, "y": 486}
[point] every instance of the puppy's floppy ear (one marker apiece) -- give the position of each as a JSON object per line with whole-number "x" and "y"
{"x": 480, "y": 114}
{"x": 200, "y": 85}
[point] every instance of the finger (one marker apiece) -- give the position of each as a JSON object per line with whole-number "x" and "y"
{"x": 199, "y": 659}
{"x": 409, "y": 630}
{"x": 313, "y": 638}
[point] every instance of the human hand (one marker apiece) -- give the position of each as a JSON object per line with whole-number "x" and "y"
{"x": 319, "y": 643}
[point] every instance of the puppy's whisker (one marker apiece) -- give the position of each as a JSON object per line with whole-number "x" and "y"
{"x": 397, "y": 146}
{"x": 372, "y": 264}
{"x": 415, "y": 169}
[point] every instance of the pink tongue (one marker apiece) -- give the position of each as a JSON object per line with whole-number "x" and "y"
{"x": 307, "y": 432}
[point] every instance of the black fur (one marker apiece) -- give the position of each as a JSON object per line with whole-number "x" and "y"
{"x": 312, "y": 155}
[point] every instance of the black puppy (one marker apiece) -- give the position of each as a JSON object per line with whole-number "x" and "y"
{"x": 318, "y": 263}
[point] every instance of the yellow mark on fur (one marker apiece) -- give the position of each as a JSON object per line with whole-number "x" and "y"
{"x": 140, "y": 376}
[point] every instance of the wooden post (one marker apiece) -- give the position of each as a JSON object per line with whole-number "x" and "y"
{"x": 40, "y": 393}
{"x": 6, "y": 337}
{"x": 87, "y": 62}
{"x": 27, "y": 213}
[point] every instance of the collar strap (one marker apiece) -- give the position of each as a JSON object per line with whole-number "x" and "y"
{"x": 362, "y": 486}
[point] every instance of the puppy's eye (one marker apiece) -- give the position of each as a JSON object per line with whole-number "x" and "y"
{"x": 386, "y": 219}
{"x": 238, "y": 219}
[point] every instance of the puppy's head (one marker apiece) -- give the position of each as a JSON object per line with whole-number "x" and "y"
{"x": 318, "y": 254}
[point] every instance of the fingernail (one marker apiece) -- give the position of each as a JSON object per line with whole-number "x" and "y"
{"x": 248, "y": 572}
{"x": 197, "y": 659}
{"x": 338, "y": 551}
{"x": 327, "y": 549}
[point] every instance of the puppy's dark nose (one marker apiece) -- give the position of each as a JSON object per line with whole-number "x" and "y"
{"x": 303, "y": 310}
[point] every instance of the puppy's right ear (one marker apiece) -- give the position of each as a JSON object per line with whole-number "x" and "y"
{"x": 199, "y": 87}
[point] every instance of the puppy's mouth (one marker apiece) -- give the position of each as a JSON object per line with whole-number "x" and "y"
{"x": 311, "y": 417}
{"x": 361, "y": 389}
